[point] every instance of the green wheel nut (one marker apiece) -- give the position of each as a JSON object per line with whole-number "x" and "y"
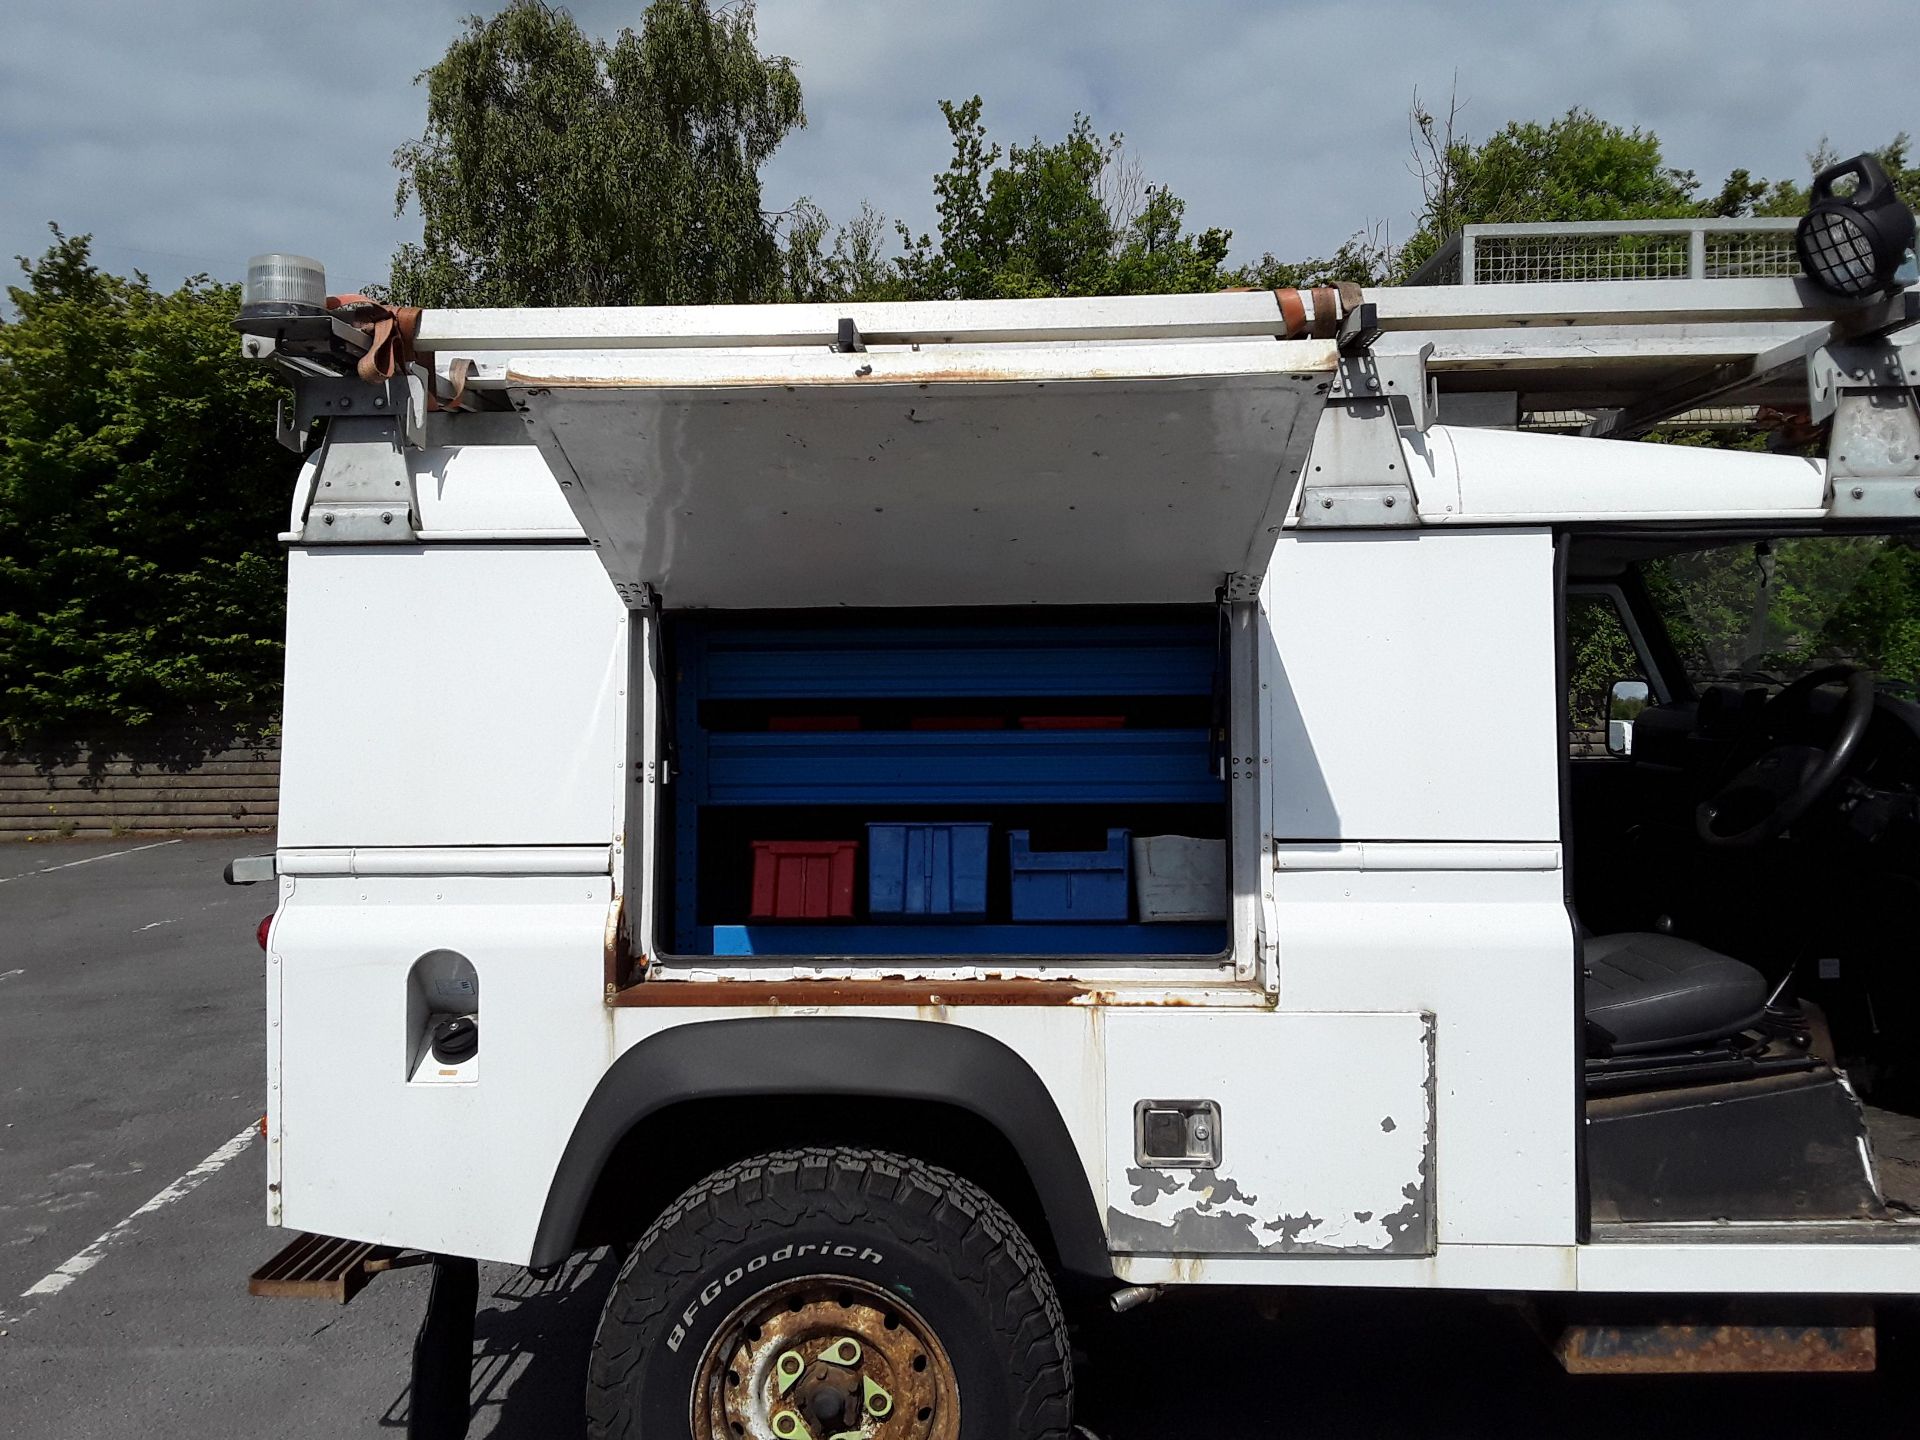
{"x": 789, "y": 1368}
{"x": 844, "y": 1351}
{"x": 879, "y": 1404}
{"x": 789, "y": 1426}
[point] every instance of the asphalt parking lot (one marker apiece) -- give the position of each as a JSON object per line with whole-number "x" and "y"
{"x": 131, "y": 1211}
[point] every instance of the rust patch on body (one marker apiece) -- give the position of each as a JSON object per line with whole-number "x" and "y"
{"x": 614, "y": 946}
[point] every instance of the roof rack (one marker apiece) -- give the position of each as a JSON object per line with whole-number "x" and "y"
{"x": 1749, "y": 249}
{"x": 1617, "y": 327}
{"x": 1629, "y": 323}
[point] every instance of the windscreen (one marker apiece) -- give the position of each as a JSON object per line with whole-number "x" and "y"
{"x": 1770, "y": 611}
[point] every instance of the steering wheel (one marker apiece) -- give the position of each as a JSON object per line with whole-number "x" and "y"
{"x": 1771, "y": 792}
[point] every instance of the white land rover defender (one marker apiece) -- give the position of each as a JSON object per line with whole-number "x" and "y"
{"x": 918, "y": 818}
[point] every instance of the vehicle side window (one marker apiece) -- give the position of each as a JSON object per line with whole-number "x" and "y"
{"x": 1599, "y": 652}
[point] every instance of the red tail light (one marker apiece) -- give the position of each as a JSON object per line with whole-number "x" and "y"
{"x": 261, "y": 933}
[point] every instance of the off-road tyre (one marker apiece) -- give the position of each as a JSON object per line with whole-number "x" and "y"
{"x": 938, "y": 1242}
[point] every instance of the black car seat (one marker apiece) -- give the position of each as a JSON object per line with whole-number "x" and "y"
{"x": 1647, "y": 992}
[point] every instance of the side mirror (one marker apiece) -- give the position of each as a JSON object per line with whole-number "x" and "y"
{"x": 1624, "y": 703}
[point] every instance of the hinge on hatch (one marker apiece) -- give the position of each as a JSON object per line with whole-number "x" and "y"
{"x": 1869, "y": 389}
{"x": 1357, "y": 473}
{"x": 638, "y": 595}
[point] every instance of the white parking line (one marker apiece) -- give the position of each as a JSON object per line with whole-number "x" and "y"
{"x": 111, "y": 855}
{"x": 59, "y": 1279}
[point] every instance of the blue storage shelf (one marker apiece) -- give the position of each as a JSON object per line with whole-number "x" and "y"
{"x": 956, "y": 767}
{"x": 1175, "y": 658}
{"x": 927, "y": 870}
{"x": 1043, "y": 940}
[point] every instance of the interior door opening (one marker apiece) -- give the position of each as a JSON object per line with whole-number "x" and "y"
{"x": 1746, "y": 851}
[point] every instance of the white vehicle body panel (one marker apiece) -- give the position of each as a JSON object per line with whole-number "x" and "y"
{"x": 466, "y": 1167}
{"x": 452, "y": 695}
{"x": 1368, "y": 1129}
{"x": 1362, "y": 669}
{"x": 1506, "y": 477}
{"x": 479, "y": 491}
{"x": 1490, "y": 955}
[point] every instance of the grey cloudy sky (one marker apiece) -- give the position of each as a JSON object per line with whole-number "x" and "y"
{"x": 188, "y": 134}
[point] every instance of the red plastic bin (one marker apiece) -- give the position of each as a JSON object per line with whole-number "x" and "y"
{"x": 804, "y": 879}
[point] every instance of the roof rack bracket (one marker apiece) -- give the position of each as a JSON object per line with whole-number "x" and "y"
{"x": 1357, "y": 473}
{"x": 345, "y": 397}
{"x": 363, "y": 486}
{"x": 1870, "y": 389}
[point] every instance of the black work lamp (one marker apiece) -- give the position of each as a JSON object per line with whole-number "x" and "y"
{"x": 1859, "y": 243}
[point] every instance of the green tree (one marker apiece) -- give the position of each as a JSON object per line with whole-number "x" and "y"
{"x": 1743, "y": 195}
{"x": 1577, "y": 167}
{"x": 556, "y": 169}
{"x": 855, "y": 267}
{"x": 1792, "y": 605}
{"x": 1364, "y": 258}
{"x": 140, "y": 489}
{"x": 1580, "y": 167}
{"x": 1070, "y": 217}
{"x": 1599, "y": 652}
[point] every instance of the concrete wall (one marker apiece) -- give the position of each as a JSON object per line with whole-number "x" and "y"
{"x": 171, "y": 783}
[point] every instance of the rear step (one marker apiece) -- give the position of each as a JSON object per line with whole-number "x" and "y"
{"x": 321, "y": 1267}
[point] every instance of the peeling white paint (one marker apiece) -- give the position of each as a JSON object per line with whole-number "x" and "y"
{"x": 1326, "y": 1134}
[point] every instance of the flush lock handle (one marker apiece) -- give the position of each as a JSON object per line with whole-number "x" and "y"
{"x": 1177, "y": 1134}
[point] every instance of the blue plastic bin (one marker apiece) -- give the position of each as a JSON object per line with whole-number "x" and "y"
{"x": 1070, "y": 884}
{"x": 918, "y": 870}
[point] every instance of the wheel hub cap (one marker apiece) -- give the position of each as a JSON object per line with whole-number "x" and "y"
{"x": 821, "y": 1358}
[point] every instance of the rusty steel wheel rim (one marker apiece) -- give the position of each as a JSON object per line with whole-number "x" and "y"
{"x": 824, "y": 1358}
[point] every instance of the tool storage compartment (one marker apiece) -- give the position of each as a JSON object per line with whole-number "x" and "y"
{"x": 911, "y": 735}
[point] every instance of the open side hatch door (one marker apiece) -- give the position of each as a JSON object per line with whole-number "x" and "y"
{"x": 1046, "y": 474}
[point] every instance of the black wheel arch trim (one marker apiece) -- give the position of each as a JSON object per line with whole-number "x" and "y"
{"x": 899, "y": 1060}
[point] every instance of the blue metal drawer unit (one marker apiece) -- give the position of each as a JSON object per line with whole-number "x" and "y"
{"x": 937, "y": 871}
{"x": 1070, "y": 884}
